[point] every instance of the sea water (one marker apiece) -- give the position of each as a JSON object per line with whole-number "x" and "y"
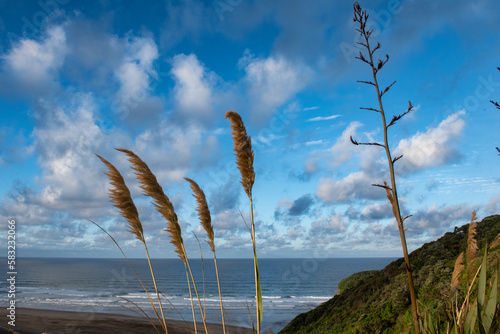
{"x": 289, "y": 286}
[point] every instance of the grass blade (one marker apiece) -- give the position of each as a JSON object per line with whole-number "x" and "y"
{"x": 136, "y": 274}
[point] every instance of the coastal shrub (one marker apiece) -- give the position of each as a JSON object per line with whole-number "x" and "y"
{"x": 470, "y": 307}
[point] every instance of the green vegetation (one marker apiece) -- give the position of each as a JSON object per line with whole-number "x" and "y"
{"x": 354, "y": 280}
{"x": 381, "y": 302}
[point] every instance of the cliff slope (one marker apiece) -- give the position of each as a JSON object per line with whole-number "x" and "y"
{"x": 380, "y": 302}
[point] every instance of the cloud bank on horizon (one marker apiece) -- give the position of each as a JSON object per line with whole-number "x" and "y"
{"x": 79, "y": 79}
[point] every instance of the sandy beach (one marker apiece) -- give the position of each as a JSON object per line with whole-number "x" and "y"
{"x": 37, "y": 321}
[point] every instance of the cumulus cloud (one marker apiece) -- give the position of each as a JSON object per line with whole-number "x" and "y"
{"x": 436, "y": 147}
{"x": 434, "y": 221}
{"x": 173, "y": 150}
{"x": 328, "y": 232}
{"x": 343, "y": 149}
{"x": 272, "y": 82}
{"x": 376, "y": 211}
{"x": 137, "y": 76}
{"x": 231, "y": 232}
{"x": 65, "y": 141}
{"x": 356, "y": 185}
{"x": 137, "y": 65}
{"x": 34, "y": 65}
{"x": 193, "y": 88}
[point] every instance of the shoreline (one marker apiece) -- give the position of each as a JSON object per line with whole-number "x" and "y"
{"x": 36, "y": 321}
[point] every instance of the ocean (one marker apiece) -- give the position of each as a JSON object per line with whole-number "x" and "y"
{"x": 289, "y": 286}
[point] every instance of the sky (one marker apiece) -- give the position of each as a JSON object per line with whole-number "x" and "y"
{"x": 80, "y": 78}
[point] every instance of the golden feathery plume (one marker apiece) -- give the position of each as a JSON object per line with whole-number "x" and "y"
{"x": 495, "y": 242}
{"x": 122, "y": 200}
{"x": 455, "y": 278}
{"x": 472, "y": 248}
{"x": 243, "y": 151}
{"x": 203, "y": 212}
{"x": 152, "y": 188}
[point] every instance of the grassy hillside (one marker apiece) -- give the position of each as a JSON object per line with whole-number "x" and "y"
{"x": 380, "y": 303}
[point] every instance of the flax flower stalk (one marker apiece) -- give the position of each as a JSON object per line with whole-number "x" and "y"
{"x": 206, "y": 222}
{"x": 244, "y": 161}
{"x": 122, "y": 200}
{"x": 150, "y": 186}
{"x": 361, "y": 17}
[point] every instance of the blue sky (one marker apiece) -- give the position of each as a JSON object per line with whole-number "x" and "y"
{"x": 79, "y": 78}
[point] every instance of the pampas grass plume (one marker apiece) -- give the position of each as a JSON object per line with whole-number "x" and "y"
{"x": 472, "y": 248}
{"x": 243, "y": 151}
{"x": 203, "y": 212}
{"x": 149, "y": 184}
{"x": 457, "y": 271}
{"x": 122, "y": 200}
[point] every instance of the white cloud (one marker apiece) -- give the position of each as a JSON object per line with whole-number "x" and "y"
{"x": 72, "y": 184}
{"x": 320, "y": 118}
{"x": 343, "y": 149}
{"x": 66, "y": 144}
{"x": 135, "y": 75}
{"x": 35, "y": 64}
{"x": 354, "y": 186}
{"x": 435, "y": 147}
{"x": 171, "y": 151}
{"x": 333, "y": 224}
{"x": 193, "y": 88}
{"x": 434, "y": 221}
{"x": 377, "y": 210}
{"x": 272, "y": 82}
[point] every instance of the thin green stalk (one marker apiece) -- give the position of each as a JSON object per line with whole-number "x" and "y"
{"x": 244, "y": 161}
{"x": 395, "y": 202}
{"x": 136, "y": 274}
{"x": 220, "y": 295}
{"x": 191, "y": 298}
{"x": 154, "y": 283}
{"x": 258, "y": 291}
{"x": 202, "y": 273}
{"x": 176, "y": 310}
{"x": 195, "y": 290}
{"x": 144, "y": 314}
